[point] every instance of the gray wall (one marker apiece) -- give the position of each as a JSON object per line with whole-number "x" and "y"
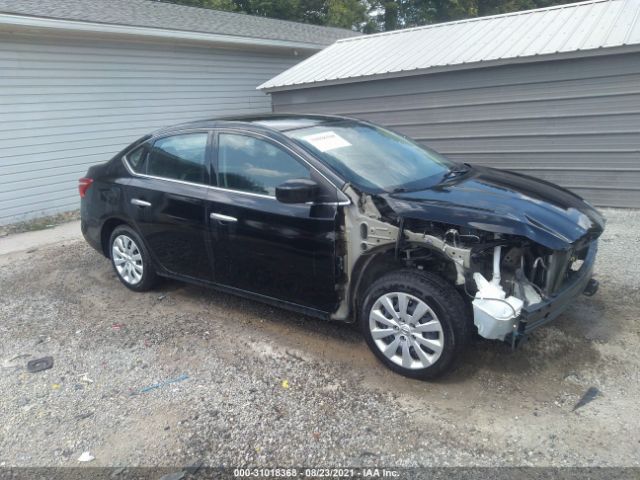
{"x": 572, "y": 122}
{"x": 68, "y": 103}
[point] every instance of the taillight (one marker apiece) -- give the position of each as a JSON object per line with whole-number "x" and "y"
{"x": 83, "y": 186}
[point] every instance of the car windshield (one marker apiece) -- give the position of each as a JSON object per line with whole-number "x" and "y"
{"x": 372, "y": 158}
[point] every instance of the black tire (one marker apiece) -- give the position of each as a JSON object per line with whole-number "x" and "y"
{"x": 149, "y": 278}
{"x": 442, "y": 298}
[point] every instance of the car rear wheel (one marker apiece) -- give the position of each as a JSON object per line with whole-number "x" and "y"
{"x": 415, "y": 323}
{"x": 130, "y": 260}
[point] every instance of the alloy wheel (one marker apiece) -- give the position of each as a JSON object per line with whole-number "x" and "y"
{"x": 406, "y": 330}
{"x": 127, "y": 259}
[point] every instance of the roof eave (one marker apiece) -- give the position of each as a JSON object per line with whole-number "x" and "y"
{"x": 10, "y": 21}
{"x": 449, "y": 68}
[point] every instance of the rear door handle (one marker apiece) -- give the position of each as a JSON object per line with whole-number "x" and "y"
{"x": 140, "y": 203}
{"x": 222, "y": 218}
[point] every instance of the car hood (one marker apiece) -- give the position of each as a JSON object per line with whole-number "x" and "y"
{"x": 503, "y": 202}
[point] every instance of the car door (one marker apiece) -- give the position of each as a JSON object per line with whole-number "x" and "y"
{"x": 167, "y": 199}
{"x": 282, "y": 251}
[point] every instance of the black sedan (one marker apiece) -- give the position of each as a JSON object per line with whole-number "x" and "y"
{"x": 344, "y": 220}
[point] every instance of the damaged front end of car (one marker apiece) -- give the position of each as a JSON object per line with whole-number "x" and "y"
{"x": 517, "y": 274}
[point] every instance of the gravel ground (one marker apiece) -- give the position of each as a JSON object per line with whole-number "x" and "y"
{"x": 267, "y": 387}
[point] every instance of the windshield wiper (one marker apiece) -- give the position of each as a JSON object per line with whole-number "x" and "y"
{"x": 459, "y": 170}
{"x": 453, "y": 172}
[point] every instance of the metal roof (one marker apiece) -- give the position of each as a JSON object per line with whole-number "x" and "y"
{"x": 154, "y": 14}
{"x": 577, "y": 29}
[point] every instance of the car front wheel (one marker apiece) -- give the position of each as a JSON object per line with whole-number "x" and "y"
{"x": 415, "y": 323}
{"x": 130, "y": 259}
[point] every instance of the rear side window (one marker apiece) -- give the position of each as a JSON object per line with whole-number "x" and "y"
{"x": 136, "y": 159}
{"x": 180, "y": 157}
{"x": 249, "y": 164}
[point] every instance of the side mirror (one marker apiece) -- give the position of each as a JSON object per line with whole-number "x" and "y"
{"x": 297, "y": 191}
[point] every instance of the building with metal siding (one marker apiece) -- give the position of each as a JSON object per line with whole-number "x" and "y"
{"x": 81, "y": 79}
{"x": 569, "y": 113}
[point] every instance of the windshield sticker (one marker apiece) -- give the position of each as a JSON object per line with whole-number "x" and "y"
{"x": 326, "y": 141}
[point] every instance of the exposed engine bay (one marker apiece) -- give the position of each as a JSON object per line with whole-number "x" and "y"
{"x": 501, "y": 274}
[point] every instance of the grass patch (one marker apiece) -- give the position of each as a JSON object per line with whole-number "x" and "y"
{"x": 41, "y": 223}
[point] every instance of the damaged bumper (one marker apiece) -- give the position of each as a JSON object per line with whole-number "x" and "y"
{"x": 534, "y": 316}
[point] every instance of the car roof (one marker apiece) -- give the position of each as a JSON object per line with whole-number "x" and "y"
{"x": 279, "y": 122}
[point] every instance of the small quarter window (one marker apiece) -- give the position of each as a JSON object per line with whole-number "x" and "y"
{"x": 180, "y": 157}
{"x": 136, "y": 159}
{"x": 249, "y": 164}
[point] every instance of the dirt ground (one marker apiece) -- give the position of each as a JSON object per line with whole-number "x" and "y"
{"x": 255, "y": 385}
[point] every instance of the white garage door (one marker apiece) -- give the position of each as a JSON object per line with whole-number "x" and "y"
{"x": 66, "y": 104}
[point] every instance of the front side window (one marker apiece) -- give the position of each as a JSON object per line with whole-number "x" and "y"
{"x": 180, "y": 157}
{"x": 373, "y": 158}
{"x": 249, "y": 164}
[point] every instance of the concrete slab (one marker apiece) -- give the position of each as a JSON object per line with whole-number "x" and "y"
{"x": 25, "y": 241}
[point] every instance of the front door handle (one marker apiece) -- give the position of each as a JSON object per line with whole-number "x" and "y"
{"x": 140, "y": 203}
{"x": 222, "y": 218}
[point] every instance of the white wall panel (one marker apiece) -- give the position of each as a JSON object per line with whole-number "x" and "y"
{"x": 67, "y": 104}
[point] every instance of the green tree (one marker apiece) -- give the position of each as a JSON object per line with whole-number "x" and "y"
{"x": 283, "y": 9}
{"x": 392, "y": 14}
{"x": 371, "y": 16}
{"x": 345, "y": 13}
